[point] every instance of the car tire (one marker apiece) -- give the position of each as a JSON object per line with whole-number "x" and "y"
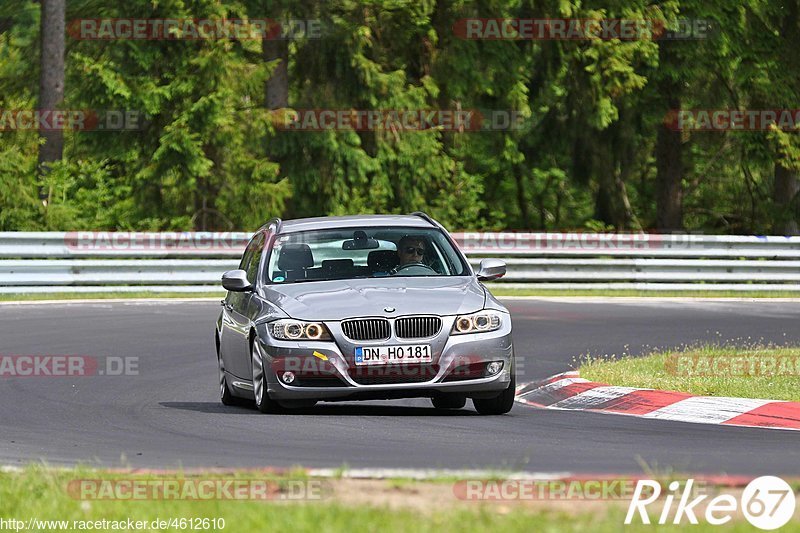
{"x": 264, "y": 403}
{"x": 449, "y": 401}
{"x": 500, "y": 404}
{"x": 225, "y": 394}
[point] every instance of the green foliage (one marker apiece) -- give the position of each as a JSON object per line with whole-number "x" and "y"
{"x": 207, "y": 155}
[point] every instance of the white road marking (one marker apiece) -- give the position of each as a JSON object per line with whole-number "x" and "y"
{"x": 705, "y": 409}
{"x": 593, "y": 397}
{"x": 695, "y": 409}
{"x": 561, "y": 383}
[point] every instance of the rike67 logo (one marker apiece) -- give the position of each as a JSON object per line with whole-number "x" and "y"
{"x": 767, "y": 502}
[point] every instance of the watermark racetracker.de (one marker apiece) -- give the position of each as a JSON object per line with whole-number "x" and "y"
{"x": 163, "y": 29}
{"x": 747, "y": 365}
{"x": 581, "y": 29}
{"x": 196, "y": 489}
{"x": 66, "y": 366}
{"x": 296, "y": 370}
{"x": 72, "y": 119}
{"x": 583, "y": 489}
{"x": 722, "y": 120}
{"x": 398, "y": 120}
{"x": 509, "y": 241}
{"x": 200, "y": 242}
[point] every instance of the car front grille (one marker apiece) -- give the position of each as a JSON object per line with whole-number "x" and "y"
{"x": 367, "y": 329}
{"x": 417, "y": 327}
{"x": 392, "y": 374}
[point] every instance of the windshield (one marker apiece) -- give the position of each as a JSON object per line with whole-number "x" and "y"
{"x": 362, "y": 253}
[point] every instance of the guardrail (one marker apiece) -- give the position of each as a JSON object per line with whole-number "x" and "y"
{"x": 194, "y": 262}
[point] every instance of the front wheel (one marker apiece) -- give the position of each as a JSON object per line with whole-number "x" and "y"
{"x": 264, "y": 403}
{"x": 500, "y": 404}
{"x": 225, "y": 395}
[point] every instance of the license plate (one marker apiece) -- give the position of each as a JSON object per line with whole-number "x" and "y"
{"x": 383, "y": 355}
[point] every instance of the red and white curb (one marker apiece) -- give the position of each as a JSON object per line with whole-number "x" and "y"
{"x": 568, "y": 391}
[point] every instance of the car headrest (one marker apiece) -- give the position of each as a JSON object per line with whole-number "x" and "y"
{"x": 295, "y": 256}
{"x": 383, "y": 259}
{"x": 337, "y": 264}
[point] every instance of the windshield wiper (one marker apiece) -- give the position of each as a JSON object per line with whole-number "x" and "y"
{"x": 302, "y": 280}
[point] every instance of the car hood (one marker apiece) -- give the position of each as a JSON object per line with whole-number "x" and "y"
{"x": 341, "y": 299}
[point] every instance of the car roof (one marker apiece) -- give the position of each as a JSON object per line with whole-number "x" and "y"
{"x": 316, "y": 223}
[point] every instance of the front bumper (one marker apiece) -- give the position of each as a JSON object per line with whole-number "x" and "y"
{"x": 454, "y": 358}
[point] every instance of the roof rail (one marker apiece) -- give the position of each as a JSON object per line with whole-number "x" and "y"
{"x": 425, "y": 216}
{"x": 277, "y": 221}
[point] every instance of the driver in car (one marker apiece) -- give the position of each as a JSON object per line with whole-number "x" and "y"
{"x": 410, "y": 249}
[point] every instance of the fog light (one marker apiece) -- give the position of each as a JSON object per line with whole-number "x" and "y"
{"x": 494, "y": 367}
{"x": 287, "y": 377}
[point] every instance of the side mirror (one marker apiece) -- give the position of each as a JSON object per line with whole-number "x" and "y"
{"x": 236, "y": 281}
{"x": 491, "y": 269}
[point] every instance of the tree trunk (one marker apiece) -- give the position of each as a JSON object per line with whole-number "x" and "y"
{"x": 669, "y": 189}
{"x": 522, "y": 201}
{"x": 611, "y": 204}
{"x": 51, "y": 79}
{"x": 669, "y": 154}
{"x": 786, "y": 194}
{"x": 277, "y": 86}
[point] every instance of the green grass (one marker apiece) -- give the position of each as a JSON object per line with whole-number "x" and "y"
{"x": 41, "y": 493}
{"x": 701, "y": 371}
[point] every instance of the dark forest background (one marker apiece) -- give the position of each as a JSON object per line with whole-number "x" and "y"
{"x": 595, "y": 153}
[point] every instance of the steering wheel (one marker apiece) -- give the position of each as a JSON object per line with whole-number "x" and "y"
{"x": 398, "y": 269}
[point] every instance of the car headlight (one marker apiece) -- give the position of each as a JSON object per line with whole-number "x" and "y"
{"x": 479, "y": 322}
{"x": 297, "y": 330}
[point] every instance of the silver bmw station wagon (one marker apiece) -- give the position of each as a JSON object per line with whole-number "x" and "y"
{"x": 362, "y": 307}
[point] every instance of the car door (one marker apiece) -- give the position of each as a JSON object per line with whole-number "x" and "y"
{"x": 235, "y": 320}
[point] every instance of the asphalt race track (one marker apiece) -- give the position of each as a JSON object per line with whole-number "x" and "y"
{"x": 169, "y": 415}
